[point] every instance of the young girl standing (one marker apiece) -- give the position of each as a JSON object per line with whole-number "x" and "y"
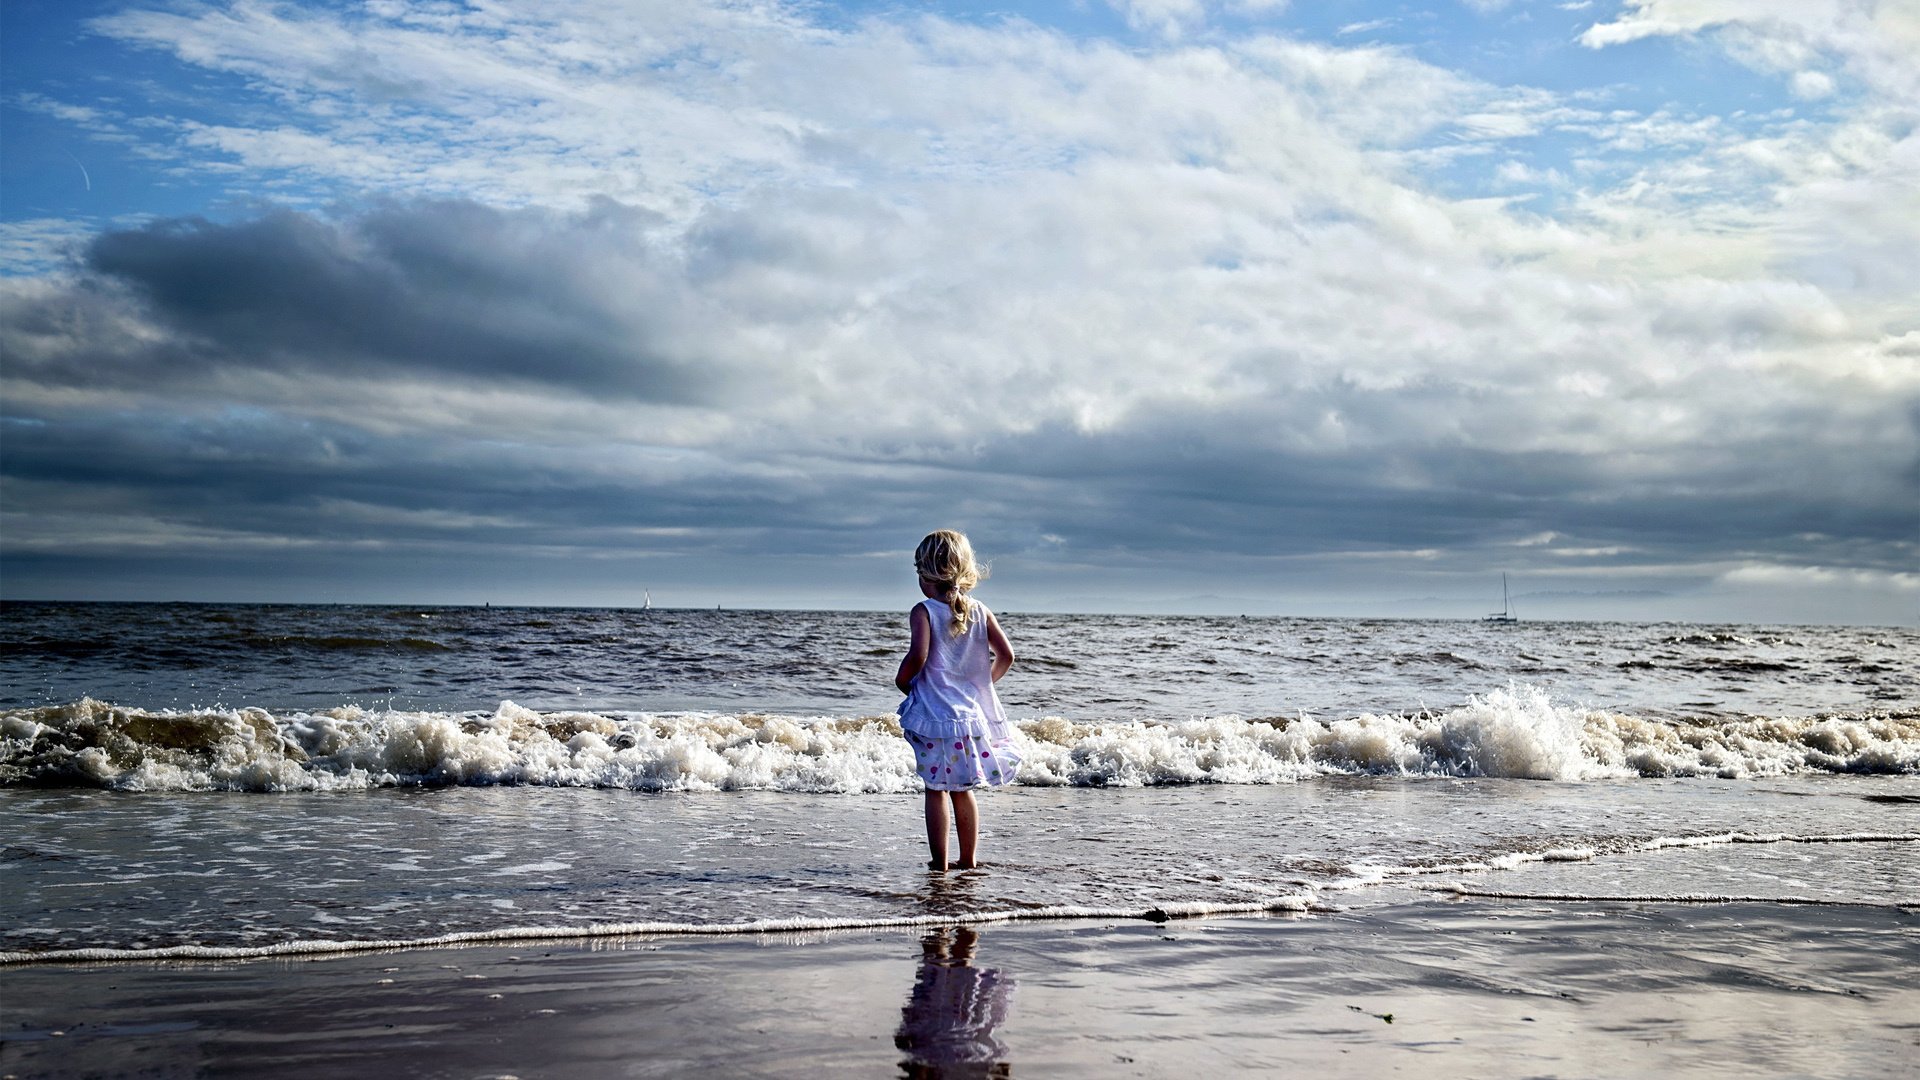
{"x": 961, "y": 740}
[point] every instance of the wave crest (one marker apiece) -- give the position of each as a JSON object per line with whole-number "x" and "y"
{"x": 1515, "y": 732}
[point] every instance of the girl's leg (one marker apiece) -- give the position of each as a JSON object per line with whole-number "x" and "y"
{"x": 937, "y": 830}
{"x": 966, "y": 819}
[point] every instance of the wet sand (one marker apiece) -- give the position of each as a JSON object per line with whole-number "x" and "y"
{"x": 1447, "y": 987}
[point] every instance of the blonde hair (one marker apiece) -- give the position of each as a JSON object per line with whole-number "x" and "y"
{"x": 945, "y": 558}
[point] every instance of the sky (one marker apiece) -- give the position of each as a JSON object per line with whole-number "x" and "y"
{"x": 1227, "y": 306}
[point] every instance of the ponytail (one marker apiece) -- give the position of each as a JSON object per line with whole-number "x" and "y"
{"x": 962, "y": 614}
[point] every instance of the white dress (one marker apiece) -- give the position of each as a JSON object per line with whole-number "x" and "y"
{"x": 961, "y": 738}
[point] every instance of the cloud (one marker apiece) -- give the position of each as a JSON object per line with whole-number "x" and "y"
{"x": 1168, "y": 18}
{"x": 445, "y": 359}
{"x": 1875, "y": 43}
{"x": 42, "y": 245}
{"x": 1174, "y": 19}
{"x": 458, "y": 289}
{"x": 723, "y": 283}
{"x": 1820, "y": 576}
{"x": 1812, "y": 85}
{"x": 679, "y": 105}
{"x": 1365, "y": 27}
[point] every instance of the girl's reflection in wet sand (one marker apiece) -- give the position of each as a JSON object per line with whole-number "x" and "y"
{"x": 949, "y": 1022}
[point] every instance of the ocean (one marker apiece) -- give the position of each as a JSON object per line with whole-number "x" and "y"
{"x": 217, "y": 781}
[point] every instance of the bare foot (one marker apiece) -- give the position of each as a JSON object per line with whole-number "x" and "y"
{"x": 968, "y": 865}
{"x": 935, "y": 864}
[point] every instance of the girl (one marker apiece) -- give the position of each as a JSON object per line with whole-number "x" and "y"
{"x": 961, "y": 740}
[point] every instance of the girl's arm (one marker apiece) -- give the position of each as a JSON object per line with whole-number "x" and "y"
{"x": 916, "y": 657}
{"x": 1002, "y": 648}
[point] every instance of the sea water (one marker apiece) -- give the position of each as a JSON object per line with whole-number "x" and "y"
{"x": 213, "y": 781}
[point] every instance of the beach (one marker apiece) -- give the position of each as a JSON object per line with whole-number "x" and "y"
{"x": 1464, "y": 987}
{"x": 1789, "y": 954}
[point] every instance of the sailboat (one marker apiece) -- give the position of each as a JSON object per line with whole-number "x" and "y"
{"x": 648, "y": 606}
{"x": 1505, "y": 614}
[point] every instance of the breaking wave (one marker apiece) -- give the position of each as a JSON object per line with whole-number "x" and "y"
{"x": 1516, "y": 732}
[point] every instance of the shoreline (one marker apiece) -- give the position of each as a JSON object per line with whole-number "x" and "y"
{"x": 1309, "y": 898}
{"x": 1489, "y": 987}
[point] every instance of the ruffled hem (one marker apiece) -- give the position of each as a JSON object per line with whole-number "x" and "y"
{"x": 919, "y": 722}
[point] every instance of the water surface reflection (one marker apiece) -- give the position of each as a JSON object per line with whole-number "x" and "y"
{"x": 949, "y": 1024}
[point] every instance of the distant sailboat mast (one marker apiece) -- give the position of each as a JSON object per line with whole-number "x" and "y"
{"x": 1505, "y": 614}
{"x": 648, "y": 606}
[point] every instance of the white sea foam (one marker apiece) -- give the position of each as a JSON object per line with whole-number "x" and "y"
{"x": 1369, "y": 876}
{"x": 1514, "y": 732}
{"x": 1299, "y": 902}
{"x": 1717, "y": 839}
{"x": 1459, "y": 889}
{"x": 1623, "y": 846}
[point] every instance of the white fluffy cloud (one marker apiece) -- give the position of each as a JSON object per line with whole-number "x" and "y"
{"x": 1874, "y": 42}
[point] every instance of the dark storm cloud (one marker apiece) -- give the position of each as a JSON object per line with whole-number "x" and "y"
{"x": 1228, "y": 480}
{"x": 116, "y": 493}
{"x": 244, "y": 475}
{"x": 446, "y": 289}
